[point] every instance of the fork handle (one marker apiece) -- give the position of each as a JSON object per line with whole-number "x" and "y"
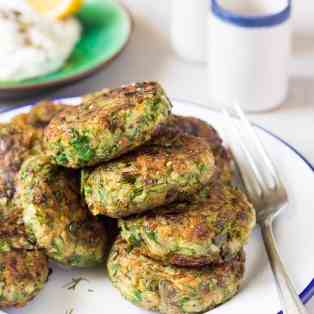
{"x": 289, "y": 298}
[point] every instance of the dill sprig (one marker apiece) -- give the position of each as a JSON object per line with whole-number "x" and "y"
{"x": 74, "y": 283}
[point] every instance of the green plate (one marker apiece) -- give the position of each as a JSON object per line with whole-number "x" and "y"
{"x": 107, "y": 27}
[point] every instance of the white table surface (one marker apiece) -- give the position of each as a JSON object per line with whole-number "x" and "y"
{"x": 149, "y": 56}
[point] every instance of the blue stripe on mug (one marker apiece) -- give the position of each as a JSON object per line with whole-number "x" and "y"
{"x": 251, "y": 20}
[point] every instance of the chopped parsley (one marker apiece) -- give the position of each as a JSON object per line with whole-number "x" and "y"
{"x": 151, "y": 235}
{"x": 62, "y": 159}
{"x": 81, "y": 144}
{"x": 137, "y": 296}
{"x": 4, "y": 247}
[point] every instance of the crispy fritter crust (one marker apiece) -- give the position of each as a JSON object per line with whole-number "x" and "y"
{"x": 107, "y": 125}
{"x": 22, "y": 275}
{"x": 13, "y": 233}
{"x": 168, "y": 289}
{"x": 39, "y": 116}
{"x": 200, "y": 128}
{"x": 168, "y": 168}
{"x": 55, "y": 216}
{"x": 210, "y": 229}
{"x": 16, "y": 144}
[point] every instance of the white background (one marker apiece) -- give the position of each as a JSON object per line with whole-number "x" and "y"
{"x": 149, "y": 56}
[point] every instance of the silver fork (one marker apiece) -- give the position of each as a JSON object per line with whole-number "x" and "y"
{"x": 267, "y": 194}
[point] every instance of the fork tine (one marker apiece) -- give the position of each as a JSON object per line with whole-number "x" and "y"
{"x": 252, "y": 182}
{"x": 260, "y": 148}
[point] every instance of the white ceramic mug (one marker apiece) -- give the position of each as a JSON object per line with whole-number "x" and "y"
{"x": 189, "y": 23}
{"x": 249, "y": 53}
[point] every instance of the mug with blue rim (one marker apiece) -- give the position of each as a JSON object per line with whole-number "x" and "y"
{"x": 249, "y": 53}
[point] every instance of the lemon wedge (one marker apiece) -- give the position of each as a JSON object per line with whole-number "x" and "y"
{"x": 58, "y": 9}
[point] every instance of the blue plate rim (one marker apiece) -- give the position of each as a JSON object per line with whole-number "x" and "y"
{"x": 308, "y": 292}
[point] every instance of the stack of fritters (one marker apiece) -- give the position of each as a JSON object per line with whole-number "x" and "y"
{"x": 122, "y": 155}
{"x": 23, "y": 267}
{"x": 55, "y": 216}
{"x": 23, "y": 254}
{"x": 187, "y": 256}
{"x": 168, "y": 181}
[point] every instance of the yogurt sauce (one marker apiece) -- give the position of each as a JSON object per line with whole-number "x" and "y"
{"x": 33, "y": 45}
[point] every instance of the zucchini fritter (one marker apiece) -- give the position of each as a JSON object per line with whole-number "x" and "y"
{"x": 22, "y": 275}
{"x": 169, "y": 289}
{"x": 19, "y": 139}
{"x": 200, "y": 128}
{"x": 170, "y": 167}
{"x": 55, "y": 215}
{"x": 210, "y": 229}
{"x": 106, "y": 125}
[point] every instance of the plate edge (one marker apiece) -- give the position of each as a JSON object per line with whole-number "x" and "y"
{"x": 308, "y": 292}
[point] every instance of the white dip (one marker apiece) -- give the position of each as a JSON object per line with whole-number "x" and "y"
{"x": 32, "y": 45}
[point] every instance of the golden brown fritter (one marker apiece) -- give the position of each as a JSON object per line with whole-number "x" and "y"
{"x": 19, "y": 139}
{"x": 211, "y": 229}
{"x": 200, "y": 128}
{"x": 169, "y": 289}
{"x": 106, "y": 125}
{"x": 22, "y": 275}
{"x": 13, "y": 233}
{"x": 168, "y": 168}
{"x": 56, "y": 217}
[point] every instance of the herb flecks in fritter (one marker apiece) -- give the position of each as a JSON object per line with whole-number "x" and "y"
{"x": 22, "y": 275}
{"x": 56, "y": 217}
{"x": 170, "y": 167}
{"x": 169, "y": 289}
{"x": 107, "y": 125}
{"x": 211, "y": 229}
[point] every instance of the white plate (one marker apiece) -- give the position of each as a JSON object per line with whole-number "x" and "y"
{"x": 294, "y": 231}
